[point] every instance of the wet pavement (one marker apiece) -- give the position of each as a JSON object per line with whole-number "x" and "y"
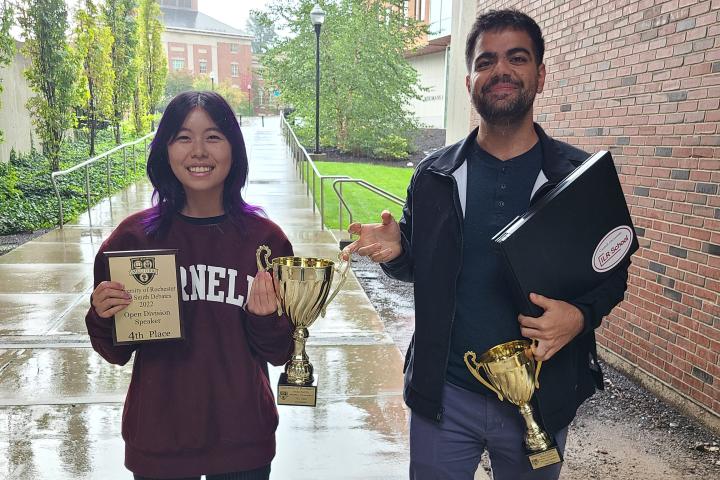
{"x": 61, "y": 404}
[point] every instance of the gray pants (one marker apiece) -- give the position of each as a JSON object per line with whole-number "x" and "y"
{"x": 473, "y": 422}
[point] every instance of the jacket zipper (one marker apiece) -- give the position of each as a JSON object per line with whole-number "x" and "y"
{"x": 459, "y": 218}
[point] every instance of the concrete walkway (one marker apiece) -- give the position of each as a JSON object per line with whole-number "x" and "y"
{"x": 61, "y": 404}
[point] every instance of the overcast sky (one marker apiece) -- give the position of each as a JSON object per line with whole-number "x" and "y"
{"x": 232, "y": 12}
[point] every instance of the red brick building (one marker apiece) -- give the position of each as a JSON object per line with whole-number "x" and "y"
{"x": 202, "y": 45}
{"x": 641, "y": 78}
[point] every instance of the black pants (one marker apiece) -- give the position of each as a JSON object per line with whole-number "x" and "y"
{"x": 262, "y": 473}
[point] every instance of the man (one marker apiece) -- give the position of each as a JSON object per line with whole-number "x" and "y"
{"x": 458, "y": 198}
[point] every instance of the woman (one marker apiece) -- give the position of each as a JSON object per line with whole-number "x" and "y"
{"x": 201, "y": 405}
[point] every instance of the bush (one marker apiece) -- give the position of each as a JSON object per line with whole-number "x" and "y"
{"x": 27, "y": 198}
{"x": 392, "y": 146}
{"x": 8, "y": 184}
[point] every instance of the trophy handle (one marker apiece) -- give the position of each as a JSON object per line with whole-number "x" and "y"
{"x": 342, "y": 271}
{"x": 538, "y": 364}
{"x": 475, "y": 370}
{"x": 258, "y": 255}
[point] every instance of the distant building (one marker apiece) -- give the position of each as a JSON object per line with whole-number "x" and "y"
{"x": 432, "y": 60}
{"x": 202, "y": 45}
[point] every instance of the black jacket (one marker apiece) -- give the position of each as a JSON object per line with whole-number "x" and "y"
{"x": 432, "y": 238}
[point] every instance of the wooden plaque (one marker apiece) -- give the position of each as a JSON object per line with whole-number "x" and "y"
{"x": 151, "y": 277}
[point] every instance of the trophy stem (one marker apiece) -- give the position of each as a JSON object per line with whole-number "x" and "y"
{"x": 299, "y": 370}
{"x": 535, "y": 439}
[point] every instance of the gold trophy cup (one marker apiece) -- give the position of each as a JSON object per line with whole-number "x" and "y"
{"x": 513, "y": 373}
{"x": 302, "y": 287}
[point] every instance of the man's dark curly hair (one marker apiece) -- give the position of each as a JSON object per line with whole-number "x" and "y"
{"x": 498, "y": 20}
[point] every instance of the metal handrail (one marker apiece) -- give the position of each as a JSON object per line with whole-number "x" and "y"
{"x": 337, "y": 186}
{"x": 300, "y": 155}
{"x": 86, "y": 164}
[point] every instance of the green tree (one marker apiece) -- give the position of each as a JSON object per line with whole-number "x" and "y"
{"x": 176, "y": 82}
{"x": 120, "y": 18}
{"x": 236, "y": 98}
{"x": 52, "y": 72}
{"x": 151, "y": 56}
{"x": 93, "y": 44}
{"x": 202, "y": 82}
{"x": 7, "y": 44}
{"x": 262, "y": 30}
{"x": 366, "y": 83}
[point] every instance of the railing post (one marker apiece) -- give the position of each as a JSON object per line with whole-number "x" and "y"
{"x": 124, "y": 162}
{"x": 57, "y": 192}
{"x": 322, "y": 205}
{"x": 87, "y": 191}
{"x": 313, "y": 190}
{"x": 107, "y": 164}
{"x": 340, "y": 224}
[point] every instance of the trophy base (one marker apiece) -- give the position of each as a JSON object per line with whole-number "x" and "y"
{"x": 300, "y": 395}
{"x": 543, "y": 458}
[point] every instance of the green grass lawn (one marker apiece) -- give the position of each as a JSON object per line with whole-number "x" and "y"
{"x": 365, "y": 205}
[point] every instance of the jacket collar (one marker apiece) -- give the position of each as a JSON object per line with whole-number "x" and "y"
{"x": 556, "y": 161}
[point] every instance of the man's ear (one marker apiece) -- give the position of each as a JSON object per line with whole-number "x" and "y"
{"x": 541, "y": 78}
{"x": 467, "y": 83}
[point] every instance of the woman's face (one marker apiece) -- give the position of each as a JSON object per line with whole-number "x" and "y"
{"x": 200, "y": 156}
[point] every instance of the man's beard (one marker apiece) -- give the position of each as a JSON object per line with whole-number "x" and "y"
{"x": 502, "y": 112}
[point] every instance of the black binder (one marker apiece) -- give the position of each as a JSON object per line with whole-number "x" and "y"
{"x": 571, "y": 239}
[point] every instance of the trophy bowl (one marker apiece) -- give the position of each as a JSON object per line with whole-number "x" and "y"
{"x": 513, "y": 374}
{"x": 302, "y": 289}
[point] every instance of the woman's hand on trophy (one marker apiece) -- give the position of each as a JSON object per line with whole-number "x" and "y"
{"x": 109, "y": 298}
{"x": 560, "y": 323}
{"x": 262, "y": 300}
{"x": 379, "y": 241}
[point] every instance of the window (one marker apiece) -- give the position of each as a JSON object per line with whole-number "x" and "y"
{"x": 234, "y": 69}
{"x": 234, "y": 48}
{"x": 440, "y": 18}
{"x": 178, "y": 64}
{"x": 203, "y": 66}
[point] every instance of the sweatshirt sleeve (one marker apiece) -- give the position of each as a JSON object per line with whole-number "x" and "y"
{"x": 99, "y": 328}
{"x": 270, "y": 336}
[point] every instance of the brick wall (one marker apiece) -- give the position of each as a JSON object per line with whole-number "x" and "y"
{"x": 642, "y": 79}
{"x": 242, "y": 57}
{"x": 202, "y": 53}
{"x": 177, "y": 51}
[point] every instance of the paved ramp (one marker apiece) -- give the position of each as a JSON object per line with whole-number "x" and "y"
{"x": 61, "y": 404}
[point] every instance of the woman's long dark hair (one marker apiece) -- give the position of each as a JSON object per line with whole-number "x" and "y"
{"x": 169, "y": 195}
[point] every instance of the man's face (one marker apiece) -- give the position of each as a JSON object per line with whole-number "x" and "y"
{"x": 504, "y": 76}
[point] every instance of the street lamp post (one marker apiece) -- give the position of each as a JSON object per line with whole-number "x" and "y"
{"x": 317, "y": 17}
{"x": 212, "y": 80}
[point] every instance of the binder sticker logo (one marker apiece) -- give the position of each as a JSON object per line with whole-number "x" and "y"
{"x": 612, "y": 248}
{"x": 143, "y": 269}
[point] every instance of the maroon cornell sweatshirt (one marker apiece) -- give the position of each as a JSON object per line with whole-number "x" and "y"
{"x": 202, "y": 405}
